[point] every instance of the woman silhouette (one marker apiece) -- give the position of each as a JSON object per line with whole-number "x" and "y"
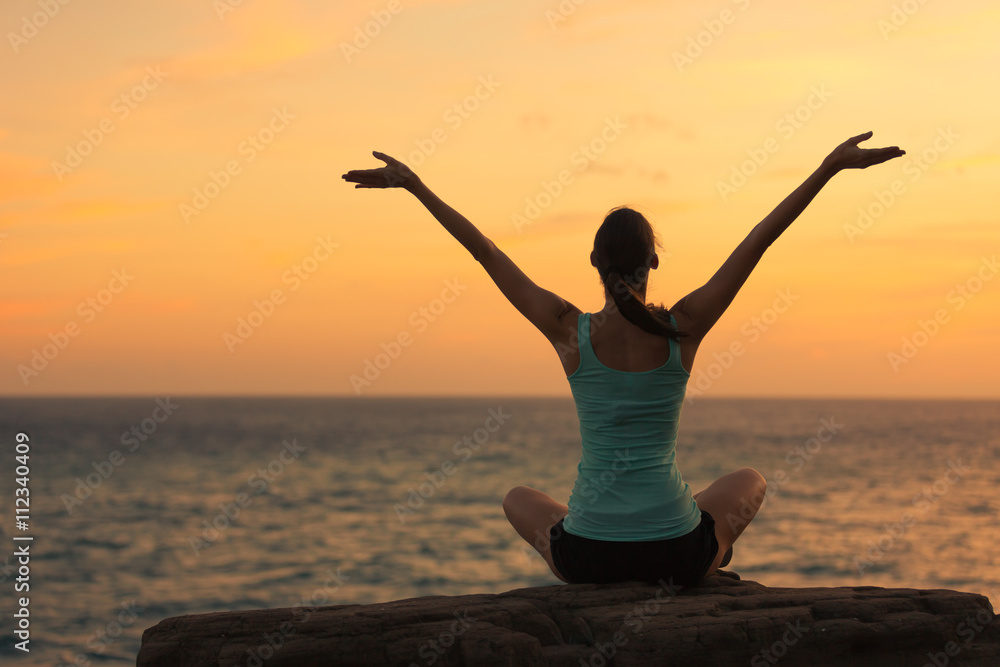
{"x": 630, "y": 516}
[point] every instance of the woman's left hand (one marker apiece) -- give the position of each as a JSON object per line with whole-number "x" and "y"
{"x": 849, "y": 156}
{"x": 394, "y": 174}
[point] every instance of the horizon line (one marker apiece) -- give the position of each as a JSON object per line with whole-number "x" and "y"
{"x": 476, "y": 396}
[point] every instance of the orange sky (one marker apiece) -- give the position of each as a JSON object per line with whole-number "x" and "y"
{"x": 168, "y": 168}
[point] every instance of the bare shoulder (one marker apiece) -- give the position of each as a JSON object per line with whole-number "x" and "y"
{"x": 565, "y": 339}
{"x": 566, "y": 319}
{"x": 690, "y": 343}
{"x": 684, "y": 321}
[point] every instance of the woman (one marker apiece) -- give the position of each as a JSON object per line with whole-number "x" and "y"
{"x": 630, "y": 516}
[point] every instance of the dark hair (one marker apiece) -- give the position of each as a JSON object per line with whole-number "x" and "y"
{"x": 623, "y": 251}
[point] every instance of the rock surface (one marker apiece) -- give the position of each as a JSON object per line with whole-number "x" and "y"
{"x": 719, "y": 622}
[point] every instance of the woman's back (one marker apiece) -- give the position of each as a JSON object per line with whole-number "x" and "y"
{"x": 621, "y": 345}
{"x": 628, "y": 487}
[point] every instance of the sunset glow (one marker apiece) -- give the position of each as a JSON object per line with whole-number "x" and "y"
{"x": 173, "y": 221}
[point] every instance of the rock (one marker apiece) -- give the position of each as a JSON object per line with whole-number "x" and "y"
{"x": 720, "y": 621}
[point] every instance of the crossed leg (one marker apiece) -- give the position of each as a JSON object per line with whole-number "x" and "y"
{"x": 533, "y": 513}
{"x": 733, "y": 501}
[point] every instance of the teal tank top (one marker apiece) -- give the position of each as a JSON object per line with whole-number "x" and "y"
{"x": 628, "y": 487}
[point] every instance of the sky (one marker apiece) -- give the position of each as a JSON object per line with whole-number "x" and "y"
{"x": 173, "y": 221}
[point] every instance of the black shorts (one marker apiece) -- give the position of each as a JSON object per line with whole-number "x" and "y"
{"x": 686, "y": 559}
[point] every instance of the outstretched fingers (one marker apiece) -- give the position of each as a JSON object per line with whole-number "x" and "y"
{"x": 849, "y": 155}
{"x": 854, "y": 141}
{"x": 363, "y": 177}
{"x": 880, "y": 155}
{"x": 357, "y": 173}
{"x": 393, "y": 174}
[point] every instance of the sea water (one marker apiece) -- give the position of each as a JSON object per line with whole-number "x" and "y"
{"x": 145, "y": 508}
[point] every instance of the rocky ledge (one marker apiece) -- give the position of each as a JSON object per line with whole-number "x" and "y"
{"x": 720, "y": 621}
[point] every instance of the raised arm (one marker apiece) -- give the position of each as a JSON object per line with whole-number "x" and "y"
{"x": 541, "y": 307}
{"x": 701, "y": 309}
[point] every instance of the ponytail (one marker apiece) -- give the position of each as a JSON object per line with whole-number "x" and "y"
{"x": 654, "y": 319}
{"x": 624, "y": 248}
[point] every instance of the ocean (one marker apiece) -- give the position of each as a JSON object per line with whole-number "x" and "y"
{"x": 144, "y": 508}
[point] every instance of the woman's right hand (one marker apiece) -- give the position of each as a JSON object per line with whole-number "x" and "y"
{"x": 394, "y": 174}
{"x": 848, "y": 156}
